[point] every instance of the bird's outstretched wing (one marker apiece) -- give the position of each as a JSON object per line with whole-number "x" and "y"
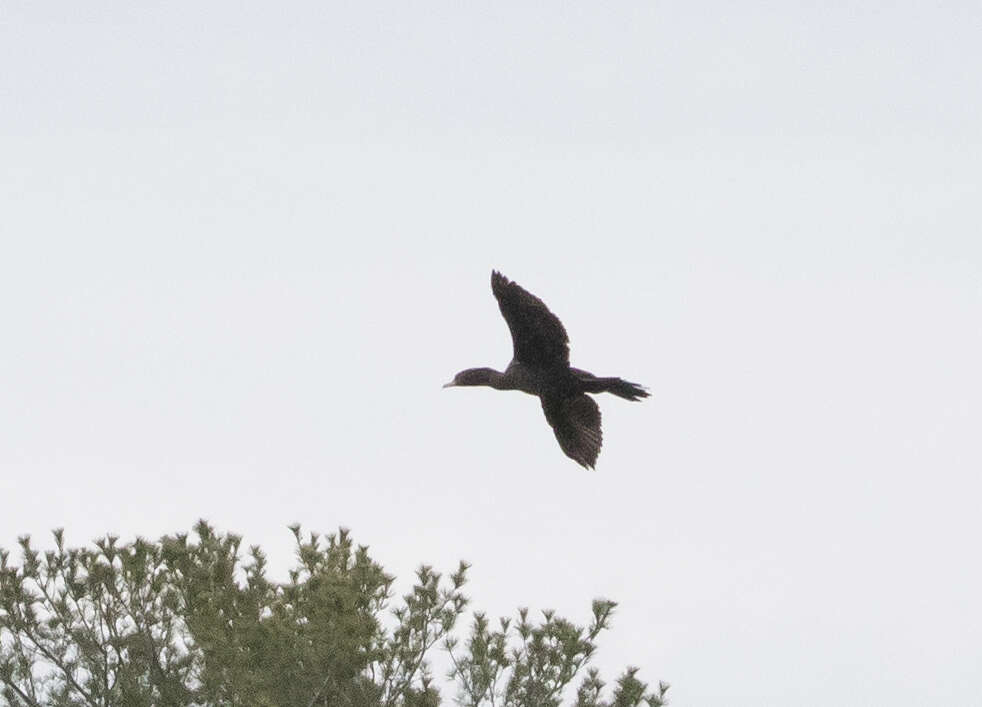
{"x": 538, "y": 336}
{"x": 576, "y": 422}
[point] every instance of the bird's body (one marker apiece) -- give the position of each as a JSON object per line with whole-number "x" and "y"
{"x": 540, "y": 367}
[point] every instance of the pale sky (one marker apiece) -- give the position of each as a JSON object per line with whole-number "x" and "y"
{"x": 244, "y": 244}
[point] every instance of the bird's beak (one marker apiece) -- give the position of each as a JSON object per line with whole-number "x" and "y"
{"x": 449, "y": 385}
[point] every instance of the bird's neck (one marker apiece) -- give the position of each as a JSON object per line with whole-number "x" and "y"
{"x": 493, "y": 379}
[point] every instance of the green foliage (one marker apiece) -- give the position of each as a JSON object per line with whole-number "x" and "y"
{"x": 532, "y": 664}
{"x": 187, "y": 622}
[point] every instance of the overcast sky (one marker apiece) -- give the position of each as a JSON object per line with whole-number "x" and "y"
{"x": 244, "y": 244}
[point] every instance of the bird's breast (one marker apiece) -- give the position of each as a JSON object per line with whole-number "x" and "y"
{"x": 531, "y": 380}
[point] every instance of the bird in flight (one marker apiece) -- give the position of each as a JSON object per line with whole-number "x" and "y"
{"x": 540, "y": 367}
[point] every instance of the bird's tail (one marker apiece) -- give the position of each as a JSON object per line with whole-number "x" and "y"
{"x": 618, "y": 386}
{"x": 623, "y": 389}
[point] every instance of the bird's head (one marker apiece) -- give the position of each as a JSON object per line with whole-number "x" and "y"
{"x": 473, "y": 376}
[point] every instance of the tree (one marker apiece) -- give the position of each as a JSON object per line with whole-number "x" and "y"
{"x": 186, "y": 622}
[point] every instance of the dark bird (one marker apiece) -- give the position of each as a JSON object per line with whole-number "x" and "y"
{"x": 540, "y": 366}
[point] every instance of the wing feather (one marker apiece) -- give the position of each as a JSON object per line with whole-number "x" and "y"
{"x": 538, "y": 337}
{"x": 576, "y": 422}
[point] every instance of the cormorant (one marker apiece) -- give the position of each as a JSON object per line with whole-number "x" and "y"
{"x": 540, "y": 366}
